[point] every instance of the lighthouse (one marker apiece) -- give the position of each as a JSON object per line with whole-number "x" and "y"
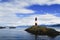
{"x": 35, "y": 21}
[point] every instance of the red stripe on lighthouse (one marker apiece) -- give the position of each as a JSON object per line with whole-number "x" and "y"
{"x": 35, "y": 21}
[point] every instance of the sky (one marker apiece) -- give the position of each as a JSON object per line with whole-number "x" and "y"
{"x": 23, "y": 12}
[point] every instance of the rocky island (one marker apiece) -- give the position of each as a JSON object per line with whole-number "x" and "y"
{"x": 39, "y": 30}
{"x": 42, "y": 30}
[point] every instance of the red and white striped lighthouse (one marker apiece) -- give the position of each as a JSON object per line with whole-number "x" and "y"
{"x": 35, "y": 21}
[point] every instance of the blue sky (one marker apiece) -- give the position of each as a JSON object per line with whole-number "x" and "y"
{"x": 23, "y": 12}
{"x": 45, "y": 8}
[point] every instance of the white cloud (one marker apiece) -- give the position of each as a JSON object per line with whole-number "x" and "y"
{"x": 40, "y": 2}
{"x": 14, "y": 10}
{"x": 42, "y": 19}
{"x": 47, "y": 2}
{"x": 24, "y": 3}
{"x": 8, "y": 12}
{"x": 46, "y": 19}
{"x": 12, "y": 20}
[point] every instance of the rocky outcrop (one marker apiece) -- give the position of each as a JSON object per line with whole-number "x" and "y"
{"x": 40, "y": 30}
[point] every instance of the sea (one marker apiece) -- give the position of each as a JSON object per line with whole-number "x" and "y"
{"x": 20, "y": 34}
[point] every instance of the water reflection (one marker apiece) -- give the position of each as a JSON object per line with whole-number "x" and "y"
{"x": 44, "y": 38}
{"x": 19, "y": 34}
{"x": 36, "y": 37}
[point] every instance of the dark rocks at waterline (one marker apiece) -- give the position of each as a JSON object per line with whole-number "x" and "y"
{"x": 12, "y": 27}
{"x": 40, "y": 30}
{"x": 7, "y": 27}
{"x": 2, "y": 27}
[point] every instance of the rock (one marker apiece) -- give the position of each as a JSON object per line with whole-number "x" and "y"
{"x": 2, "y": 27}
{"x": 40, "y": 30}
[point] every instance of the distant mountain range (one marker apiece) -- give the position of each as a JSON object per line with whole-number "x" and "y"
{"x": 53, "y": 25}
{"x": 27, "y": 26}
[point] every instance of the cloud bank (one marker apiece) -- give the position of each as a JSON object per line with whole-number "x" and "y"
{"x": 46, "y": 19}
{"x": 40, "y": 2}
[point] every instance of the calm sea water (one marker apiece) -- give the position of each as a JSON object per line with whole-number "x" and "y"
{"x": 20, "y": 34}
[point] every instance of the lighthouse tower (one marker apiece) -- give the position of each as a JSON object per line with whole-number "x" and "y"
{"x": 35, "y": 21}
